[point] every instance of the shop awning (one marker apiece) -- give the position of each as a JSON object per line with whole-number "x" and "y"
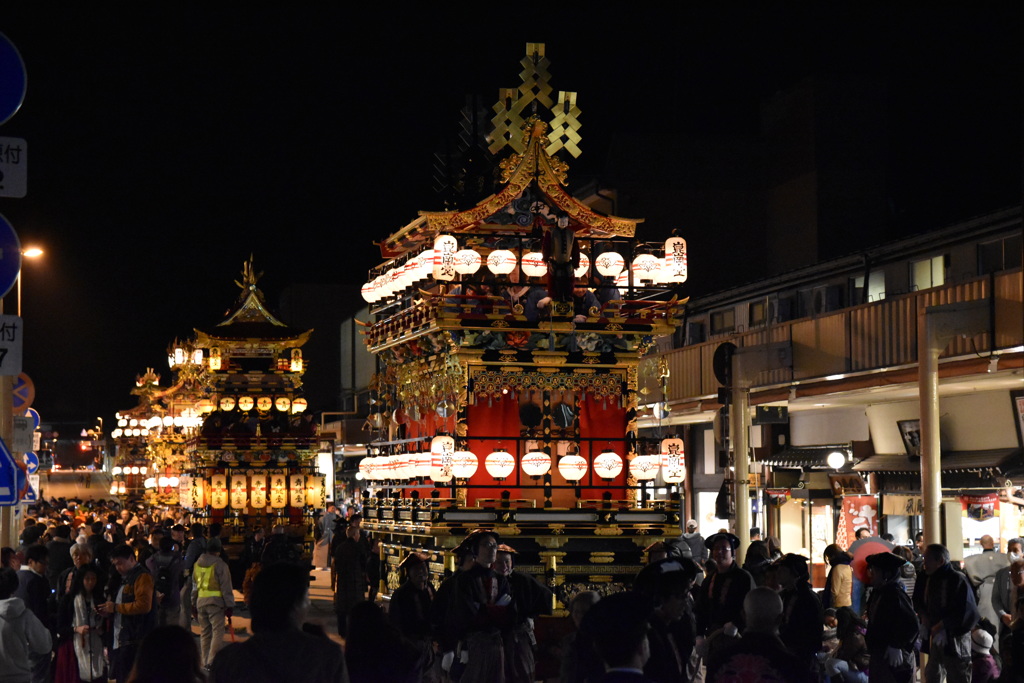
{"x": 1003, "y": 460}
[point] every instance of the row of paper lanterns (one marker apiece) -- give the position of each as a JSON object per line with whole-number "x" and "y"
{"x": 239, "y": 491}
{"x": 442, "y": 463}
{"x": 445, "y": 261}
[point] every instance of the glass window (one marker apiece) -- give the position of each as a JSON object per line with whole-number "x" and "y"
{"x": 997, "y": 255}
{"x": 927, "y": 273}
{"x": 723, "y": 321}
{"x": 758, "y": 313}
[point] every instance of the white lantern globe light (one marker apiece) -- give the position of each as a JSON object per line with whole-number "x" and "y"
{"x": 467, "y": 261}
{"x": 442, "y": 458}
{"x": 610, "y": 263}
{"x": 572, "y": 467}
{"x": 499, "y": 464}
{"x": 608, "y": 464}
{"x": 501, "y": 261}
{"x": 536, "y": 464}
{"x": 581, "y": 270}
{"x": 647, "y": 269}
{"x": 644, "y": 467}
{"x": 533, "y": 264}
{"x": 464, "y": 464}
{"x": 836, "y": 459}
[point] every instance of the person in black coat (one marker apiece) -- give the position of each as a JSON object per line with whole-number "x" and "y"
{"x": 720, "y": 598}
{"x": 1009, "y": 583}
{"x": 410, "y": 607}
{"x": 617, "y": 626}
{"x": 892, "y": 622}
{"x": 34, "y": 590}
{"x": 59, "y": 554}
{"x": 531, "y": 600}
{"x": 802, "y": 616}
{"x": 673, "y": 631}
{"x": 944, "y": 599}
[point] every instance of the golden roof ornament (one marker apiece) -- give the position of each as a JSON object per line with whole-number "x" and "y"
{"x": 515, "y": 107}
{"x": 249, "y": 279}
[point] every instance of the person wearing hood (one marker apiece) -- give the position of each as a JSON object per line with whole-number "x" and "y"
{"x": 802, "y": 615}
{"x": 698, "y": 551}
{"x": 839, "y": 583}
{"x": 22, "y": 635}
{"x": 892, "y": 622}
{"x": 213, "y": 598}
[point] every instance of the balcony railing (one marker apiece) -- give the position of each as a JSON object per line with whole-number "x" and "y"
{"x": 868, "y": 337}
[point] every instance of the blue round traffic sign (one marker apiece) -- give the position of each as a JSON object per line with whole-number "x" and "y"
{"x": 31, "y": 462}
{"x": 13, "y": 77}
{"x": 10, "y": 256}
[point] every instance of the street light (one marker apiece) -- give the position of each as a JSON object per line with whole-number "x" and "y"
{"x": 31, "y": 253}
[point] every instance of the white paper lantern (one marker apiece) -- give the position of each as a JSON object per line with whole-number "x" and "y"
{"x": 581, "y": 270}
{"x": 297, "y": 490}
{"x": 500, "y": 464}
{"x": 364, "y": 468}
{"x": 501, "y": 261}
{"x": 608, "y": 464}
{"x": 646, "y": 269}
{"x": 445, "y": 247}
{"x": 572, "y": 467}
{"x": 622, "y": 279}
{"x": 411, "y": 271}
{"x": 673, "y": 461}
{"x": 674, "y": 269}
{"x": 442, "y": 454}
{"x": 403, "y": 470}
{"x": 467, "y": 261}
{"x": 644, "y": 467}
{"x": 218, "y": 491}
{"x": 464, "y": 464}
{"x": 278, "y": 491}
{"x": 610, "y": 263}
{"x": 316, "y": 490}
{"x": 534, "y": 265}
{"x": 426, "y": 265}
{"x": 420, "y": 464}
{"x": 239, "y": 491}
{"x": 536, "y": 464}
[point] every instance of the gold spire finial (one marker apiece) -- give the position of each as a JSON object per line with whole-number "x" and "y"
{"x": 516, "y": 105}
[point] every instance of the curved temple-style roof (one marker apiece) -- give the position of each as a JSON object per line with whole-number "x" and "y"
{"x": 534, "y": 166}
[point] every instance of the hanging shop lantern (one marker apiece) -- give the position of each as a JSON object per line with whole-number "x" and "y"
{"x": 501, "y": 261}
{"x": 205, "y": 405}
{"x": 467, "y": 261}
{"x": 581, "y": 270}
{"x": 646, "y": 269}
{"x": 536, "y": 464}
{"x": 534, "y": 264}
{"x": 572, "y": 467}
{"x": 644, "y": 467}
{"x": 218, "y": 492}
{"x": 674, "y": 269}
{"x": 278, "y": 491}
{"x": 464, "y": 464}
{"x": 608, "y": 464}
{"x": 239, "y": 492}
{"x": 245, "y": 403}
{"x": 499, "y": 464}
{"x": 316, "y": 490}
{"x": 297, "y": 490}
{"x": 673, "y": 461}
{"x": 445, "y": 247}
{"x": 299, "y": 405}
{"x": 610, "y": 263}
{"x": 442, "y": 453}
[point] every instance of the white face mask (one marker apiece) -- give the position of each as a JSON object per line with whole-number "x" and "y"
{"x": 1015, "y": 556}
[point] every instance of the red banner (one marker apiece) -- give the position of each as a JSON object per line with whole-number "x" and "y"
{"x": 981, "y": 507}
{"x": 860, "y": 512}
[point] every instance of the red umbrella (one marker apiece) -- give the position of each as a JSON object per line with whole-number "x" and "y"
{"x": 861, "y": 549}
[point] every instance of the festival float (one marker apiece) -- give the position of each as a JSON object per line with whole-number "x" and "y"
{"x": 509, "y": 336}
{"x": 236, "y": 419}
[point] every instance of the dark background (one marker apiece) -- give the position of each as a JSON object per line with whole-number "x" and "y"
{"x": 167, "y": 143}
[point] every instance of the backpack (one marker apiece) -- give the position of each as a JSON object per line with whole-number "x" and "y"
{"x": 163, "y": 577}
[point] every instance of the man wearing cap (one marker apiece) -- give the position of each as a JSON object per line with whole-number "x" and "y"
{"x": 719, "y": 604}
{"x": 945, "y": 602}
{"x": 481, "y": 609}
{"x": 692, "y": 538}
{"x": 802, "y": 616}
{"x": 892, "y": 623}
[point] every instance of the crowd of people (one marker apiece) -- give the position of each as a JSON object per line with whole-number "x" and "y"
{"x": 94, "y": 593}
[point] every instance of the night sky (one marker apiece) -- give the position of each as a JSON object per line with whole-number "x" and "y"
{"x": 168, "y": 143}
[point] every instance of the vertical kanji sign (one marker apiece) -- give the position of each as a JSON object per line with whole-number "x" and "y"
{"x": 11, "y": 338}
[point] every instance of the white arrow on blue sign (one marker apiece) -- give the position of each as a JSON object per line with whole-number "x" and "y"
{"x": 32, "y": 462}
{"x": 8, "y": 476}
